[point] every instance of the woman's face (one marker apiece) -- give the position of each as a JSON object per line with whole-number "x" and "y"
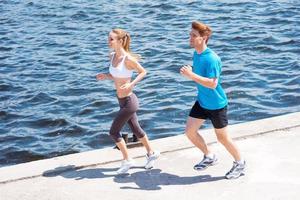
{"x": 113, "y": 41}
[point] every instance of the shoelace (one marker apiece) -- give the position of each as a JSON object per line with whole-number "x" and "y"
{"x": 233, "y": 167}
{"x": 206, "y": 159}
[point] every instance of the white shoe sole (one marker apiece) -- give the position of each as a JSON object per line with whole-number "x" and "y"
{"x": 150, "y": 164}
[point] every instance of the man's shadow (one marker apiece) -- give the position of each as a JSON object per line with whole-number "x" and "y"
{"x": 154, "y": 179}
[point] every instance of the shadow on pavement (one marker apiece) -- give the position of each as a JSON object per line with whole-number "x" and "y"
{"x": 145, "y": 180}
{"x": 71, "y": 171}
{"x": 153, "y": 179}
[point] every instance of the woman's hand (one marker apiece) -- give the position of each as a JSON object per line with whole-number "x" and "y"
{"x": 186, "y": 70}
{"x": 127, "y": 86}
{"x": 101, "y": 77}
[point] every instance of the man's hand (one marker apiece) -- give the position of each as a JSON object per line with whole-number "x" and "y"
{"x": 187, "y": 71}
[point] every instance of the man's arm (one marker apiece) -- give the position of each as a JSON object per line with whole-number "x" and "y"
{"x": 206, "y": 82}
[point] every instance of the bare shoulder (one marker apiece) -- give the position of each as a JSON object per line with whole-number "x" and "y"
{"x": 131, "y": 62}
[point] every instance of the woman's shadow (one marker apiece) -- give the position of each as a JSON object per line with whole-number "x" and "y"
{"x": 145, "y": 179}
{"x": 79, "y": 173}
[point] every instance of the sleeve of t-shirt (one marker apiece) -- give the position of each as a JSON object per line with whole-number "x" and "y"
{"x": 213, "y": 69}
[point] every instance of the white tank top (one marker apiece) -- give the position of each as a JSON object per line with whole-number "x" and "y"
{"x": 119, "y": 71}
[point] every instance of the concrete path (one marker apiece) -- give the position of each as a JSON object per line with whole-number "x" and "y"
{"x": 270, "y": 146}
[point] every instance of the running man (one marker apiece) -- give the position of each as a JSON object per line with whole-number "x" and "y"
{"x": 211, "y": 101}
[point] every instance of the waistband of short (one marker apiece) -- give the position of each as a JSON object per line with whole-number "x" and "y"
{"x": 129, "y": 96}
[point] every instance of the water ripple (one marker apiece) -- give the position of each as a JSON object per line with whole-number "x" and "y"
{"x": 50, "y": 52}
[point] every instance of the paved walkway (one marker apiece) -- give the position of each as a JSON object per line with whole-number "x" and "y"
{"x": 270, "y": 146}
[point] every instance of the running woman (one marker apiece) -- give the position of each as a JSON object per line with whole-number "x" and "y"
{"x": 211, "y": 102}
{"x": 122, "y": 65}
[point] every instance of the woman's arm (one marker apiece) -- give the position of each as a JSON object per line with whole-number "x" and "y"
{"x": 134, "y": 65}
{"x": 102, "y": 77}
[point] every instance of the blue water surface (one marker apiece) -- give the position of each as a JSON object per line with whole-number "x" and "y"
{"x": 50, "y": 52}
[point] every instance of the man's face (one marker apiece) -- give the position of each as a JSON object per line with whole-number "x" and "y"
{"x": 196, "y": 40}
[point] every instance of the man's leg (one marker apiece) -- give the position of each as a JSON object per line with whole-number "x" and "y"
{"x": 224, "y": 138}
{"x": 191, "y": 131}
{"x": 238, "y": 168}
{"x": 192, "y": 126}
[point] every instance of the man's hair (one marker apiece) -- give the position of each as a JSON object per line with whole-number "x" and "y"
{"x": 203, "y": 29}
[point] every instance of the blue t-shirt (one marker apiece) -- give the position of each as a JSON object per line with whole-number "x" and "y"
{"x": 208, "y": 64}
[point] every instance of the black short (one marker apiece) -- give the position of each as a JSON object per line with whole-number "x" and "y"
{"x": 218, "y": 117}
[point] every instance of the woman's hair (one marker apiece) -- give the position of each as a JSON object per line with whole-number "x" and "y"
{"x": 125, "y": 37}
{"x": 203, "y": 29}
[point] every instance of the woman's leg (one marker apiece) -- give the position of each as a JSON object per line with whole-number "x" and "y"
{"x": 139, "y": 133}
{"x": 142, "y": 136}
{"x": 127, "y": 109}
{"x": 123, "y": 148}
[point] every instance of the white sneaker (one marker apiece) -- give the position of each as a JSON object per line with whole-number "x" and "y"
{"x": 150, "y": 159}
{"x": 125, "y": 166}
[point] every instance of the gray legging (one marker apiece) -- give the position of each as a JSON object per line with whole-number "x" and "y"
{"x": 127, "y": 113}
